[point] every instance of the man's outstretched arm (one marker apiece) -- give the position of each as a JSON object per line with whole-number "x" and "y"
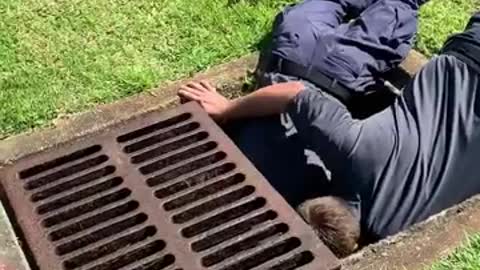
{"x": 322, "y": 122}
{"x": 266, "y": 101}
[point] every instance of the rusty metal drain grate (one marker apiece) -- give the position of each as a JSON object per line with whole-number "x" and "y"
{"x": 162, "y": 191}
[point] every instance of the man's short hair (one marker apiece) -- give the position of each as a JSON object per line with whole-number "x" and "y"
{"x": 334, "y": 222}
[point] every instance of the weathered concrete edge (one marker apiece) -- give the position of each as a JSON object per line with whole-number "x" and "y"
{"x": 423, "y": 244}
{"x": 79, "y": 125}
{"x": 11, "y": 255}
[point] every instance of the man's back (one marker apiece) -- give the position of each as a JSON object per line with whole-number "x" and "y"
{"x": 434, "y": 140}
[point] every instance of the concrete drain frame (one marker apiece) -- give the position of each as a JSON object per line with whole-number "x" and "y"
{"x": 165, "y": 190}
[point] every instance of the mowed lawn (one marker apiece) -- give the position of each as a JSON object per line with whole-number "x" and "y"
{"x": 465, "y": 258}
{"x": 64, "y": 56}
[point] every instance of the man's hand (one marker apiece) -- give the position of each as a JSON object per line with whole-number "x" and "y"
{"x": 204, "y": 93}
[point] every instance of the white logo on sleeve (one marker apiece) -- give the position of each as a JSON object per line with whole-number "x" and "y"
{"x": 287, "y": 123}
{"x": 312, "y": 157}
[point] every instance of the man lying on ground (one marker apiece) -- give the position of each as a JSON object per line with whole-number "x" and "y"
{"x": 379, "y": 172}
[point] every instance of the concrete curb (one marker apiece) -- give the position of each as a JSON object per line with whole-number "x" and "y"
{"x": 423, "y": 244}
{"x": 11, "y": 256}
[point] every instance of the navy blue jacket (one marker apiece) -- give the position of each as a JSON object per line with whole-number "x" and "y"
{"x": 315, "y": 34}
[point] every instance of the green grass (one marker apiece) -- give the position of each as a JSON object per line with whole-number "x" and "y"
{"x": 64, "y": 56}
{"x": 441, "y": 18}
{"x": 465, "y": 258}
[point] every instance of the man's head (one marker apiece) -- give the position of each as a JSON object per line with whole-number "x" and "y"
{"x": 334, "y": 223}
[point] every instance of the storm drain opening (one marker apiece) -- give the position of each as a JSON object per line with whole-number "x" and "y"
{"x": 165, "y": 190}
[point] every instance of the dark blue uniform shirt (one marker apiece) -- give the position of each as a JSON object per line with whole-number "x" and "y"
{"x": 397, "y": 167}
{"x": 412, "y": 160}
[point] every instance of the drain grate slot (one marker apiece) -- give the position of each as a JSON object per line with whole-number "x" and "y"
{"x": 87, "y": 207}
{"x": 93, "y": 220}
{"x": 161, "y": 191}
{"x": 170, "y": 147}
{"x": 59, "y": 161}
{"x": 110, "y": 230}
{"x": 155, "y": 127}
{"x": 158, "y": 264}
{"x": 233, "y": 231}
{"x": 204, "y": 192}
{"x": 298, "y": 260}
{"x": 132, "y": 256}
{"x": 160, "y": 138}
{"x": 187, "y": 168}
{"x": 193, "y": 181}
{"x": 78, "y": 181}
{"x": 53, "y": 177}
{"x": 110, "y": 247}
{"x": 223, "y": 217}
{"x": 177, "y": 158}
{"x": 266, "y": 255}
{"x": 79, "y": 195}
{"x": 248, "y": 243}
{"x": 213, "y": 204}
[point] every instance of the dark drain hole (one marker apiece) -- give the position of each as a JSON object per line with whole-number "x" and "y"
{"x": 103, "y": 233}
{"x": 152, "y": 128}
{"x": 134, "y": 147}
{"x": 223, "y": 217}
{"x": 136, "y": 255}
{"x": 84, "y": 179}
{"x": 266, "y": 255}
{"x": 59, "y": 161}
{"x": 295, "y": 262}
{"x": 109, "y": 248}
{"x": 50, "y": 178}
{"x": 87, "y": 207}
{"x": 187, "y": 168}
{"x": 176, "y": 158}
{"x": 93, "y": 220}
{"x": 245, "y": 244}
{"x": 79, "y": 195}
{"x": 204, "y": 192}
{"x": 194, "y": 180}
{"x": 233, "y": 231}
{"x": 211, "y": 205}
{"x": 157, "y": 264}
{"x": 161, "y": 150}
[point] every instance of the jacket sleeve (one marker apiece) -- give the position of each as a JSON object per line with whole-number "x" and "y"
{"x": 326, "y": 126}
{"x": 347, "y": 146}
